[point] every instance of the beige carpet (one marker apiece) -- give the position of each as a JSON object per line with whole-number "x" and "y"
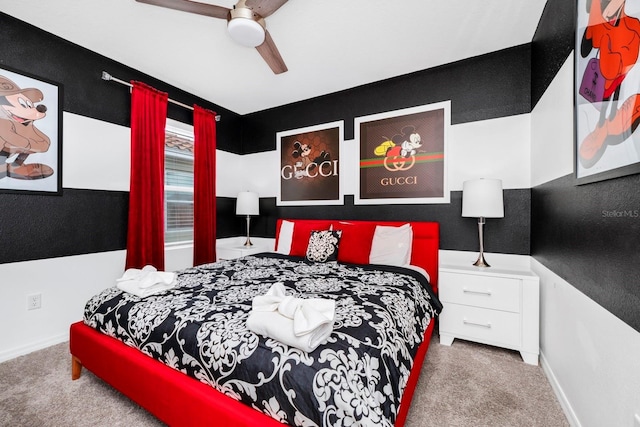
{"x": 471, "y": 384}
{"x": 463, "y": 385}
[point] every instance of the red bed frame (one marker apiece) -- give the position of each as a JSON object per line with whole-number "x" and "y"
{"x": 179, "y": 400}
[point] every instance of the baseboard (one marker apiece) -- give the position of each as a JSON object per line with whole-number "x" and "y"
{"x": 557, "y": 389}
{"x": 21, "y": 351}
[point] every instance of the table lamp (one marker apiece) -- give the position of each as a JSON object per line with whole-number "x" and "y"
{"x": 248, "y": 204}
{"x": 482, "y": 198}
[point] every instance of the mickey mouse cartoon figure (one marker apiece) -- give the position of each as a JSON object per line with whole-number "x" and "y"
{"x": 305, "y": 164}
{"x": 19, "y": 136}
{"x": 301, "y": 151}
{"x": 404, "y": 144}
{"x": 409, "y": 141}
{"x": 616, "y": 37}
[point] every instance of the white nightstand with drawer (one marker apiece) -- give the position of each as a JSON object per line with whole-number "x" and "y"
{"x": 232, "y": 248}
{"x": 497, "y": 305}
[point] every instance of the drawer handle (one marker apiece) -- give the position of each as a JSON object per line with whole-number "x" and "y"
{"x": 483, "y": 325}
{"x": 468, "y": 291}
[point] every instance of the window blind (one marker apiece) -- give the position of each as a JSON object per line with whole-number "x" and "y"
{"x": 178, "y": 188}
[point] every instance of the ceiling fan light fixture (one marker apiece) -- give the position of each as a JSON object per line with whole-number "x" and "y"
{"x": 245, "y": 23}
{"x": 246, "y": 32}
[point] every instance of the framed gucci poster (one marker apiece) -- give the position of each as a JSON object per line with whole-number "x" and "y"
{"x": 310, "y": 165}
{"x": 403, "y": 155}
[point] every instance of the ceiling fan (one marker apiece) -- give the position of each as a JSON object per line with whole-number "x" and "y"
{"x": 245, "y": 23}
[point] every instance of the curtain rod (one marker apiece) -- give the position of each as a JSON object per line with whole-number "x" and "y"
{"x": 109, "y": 77}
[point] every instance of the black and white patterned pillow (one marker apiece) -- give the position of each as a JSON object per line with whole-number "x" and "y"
{"x": 323, "y": 246}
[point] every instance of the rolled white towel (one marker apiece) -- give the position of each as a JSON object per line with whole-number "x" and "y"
{"x": 156, "y": 278}
{"x": 146, "y": 281}
{"x": 298, "y": 322}
{"x": 133, "y": 287}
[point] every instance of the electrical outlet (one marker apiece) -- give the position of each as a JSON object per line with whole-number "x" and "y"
{"x": 636, "y": 420}
{"x": 34, "y": 301}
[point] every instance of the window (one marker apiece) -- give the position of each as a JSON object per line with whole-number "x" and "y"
{"x": 178, "y": 186}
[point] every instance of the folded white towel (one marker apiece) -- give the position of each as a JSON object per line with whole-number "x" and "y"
{"x": 146, "y": 281}
{"x": 298, "y": 322}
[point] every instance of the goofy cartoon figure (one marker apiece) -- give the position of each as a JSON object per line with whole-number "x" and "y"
{"x": 19, "y": 137}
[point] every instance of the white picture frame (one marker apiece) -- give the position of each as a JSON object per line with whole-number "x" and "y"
{"x": 309, "y": 165}
{"x": 403, "y": 156}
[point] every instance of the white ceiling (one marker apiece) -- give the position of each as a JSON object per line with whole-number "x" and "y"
{"x": 328, "y": 45}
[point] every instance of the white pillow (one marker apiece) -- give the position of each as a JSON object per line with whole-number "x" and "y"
{"x": 391, "y": 245}
{"x": 285, "y": 237}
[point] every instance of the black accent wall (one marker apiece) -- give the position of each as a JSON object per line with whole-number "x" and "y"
{"x": 552, "y": 43}
{"x": 81, "y": 221}
{"x": 456, "y": 232}
{"x": 589, "y": 235}
{"x": 79, "y": 70}
{"x": 586, "y": 234}
{"x": 480, "y": 88}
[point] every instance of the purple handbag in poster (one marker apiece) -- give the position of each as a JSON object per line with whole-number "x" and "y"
{"x": 592, "y": 86}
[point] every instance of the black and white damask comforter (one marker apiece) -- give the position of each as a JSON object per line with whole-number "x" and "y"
{"x": 199, "y": 328}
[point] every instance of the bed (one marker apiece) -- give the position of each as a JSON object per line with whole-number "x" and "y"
{"x": 159, "y": 368}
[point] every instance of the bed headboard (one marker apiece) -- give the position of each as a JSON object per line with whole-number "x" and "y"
{"x": 424, "y": 250}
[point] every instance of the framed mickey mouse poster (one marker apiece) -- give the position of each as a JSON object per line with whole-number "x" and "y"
{"x": 607, "y": 86}
{"x": 403, "y": 155}
{"x": 310, "y": 165}
{"x": 30, "y": 134}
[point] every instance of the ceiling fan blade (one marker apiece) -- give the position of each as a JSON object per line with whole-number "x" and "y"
{"x": 264, "y": 8}
{"x": 270, "y": 54}
{"x": 191, "y": 6}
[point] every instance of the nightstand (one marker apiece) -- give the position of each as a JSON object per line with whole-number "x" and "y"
{"x": 497, "y": 305}
{"x": 234, "y": 248}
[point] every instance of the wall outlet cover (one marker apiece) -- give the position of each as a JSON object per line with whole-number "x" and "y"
{"x": 34, "y": 301}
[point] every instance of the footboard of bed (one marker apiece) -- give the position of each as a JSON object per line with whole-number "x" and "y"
{"x": 173, "y": 397}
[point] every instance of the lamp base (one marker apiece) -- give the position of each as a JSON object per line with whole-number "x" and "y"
{"x": 480, "y": 262}
{"x": 248, "y": 242}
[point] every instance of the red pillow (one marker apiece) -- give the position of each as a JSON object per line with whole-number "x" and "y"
{"x": 355, "y": 242}
{"x": 301, "y": 233}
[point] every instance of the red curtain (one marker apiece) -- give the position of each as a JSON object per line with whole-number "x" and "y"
{"x": 145, "y": 235}
{"x": 204, "y": 186}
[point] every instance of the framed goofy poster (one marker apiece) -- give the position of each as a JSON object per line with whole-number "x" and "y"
{"x": 30, "y": 134}
{"x": 310, "y": 165}
{"x": 607, "y": 86}
{"x": 403, "y": 155}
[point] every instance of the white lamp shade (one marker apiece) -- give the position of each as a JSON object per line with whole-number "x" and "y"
{"x": 482, "y": 198}
{"x": 246, "y": 32}
{"x": 247, "y": 203}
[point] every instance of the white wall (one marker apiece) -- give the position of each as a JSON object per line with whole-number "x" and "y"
{"x": 552, "y": 129}
{"x": 590, "y": 356}
{"x": 65, "y": 285}
{"x": 95, "y": 156}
